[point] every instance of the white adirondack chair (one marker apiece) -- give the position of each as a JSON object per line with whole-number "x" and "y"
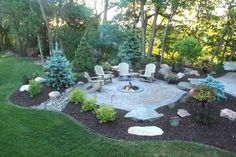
{"x": 148, "y": 73}
{"x": 95, "y": 82}
{"x": 107, "y": 75}
{"x": 124, "y": 70}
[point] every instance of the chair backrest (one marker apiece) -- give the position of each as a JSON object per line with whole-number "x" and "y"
{"x": 150, "y": 69}
{"x": 99, "y": 70}
{"x": 123, "y": 68}
{"x": 87, "y": 76}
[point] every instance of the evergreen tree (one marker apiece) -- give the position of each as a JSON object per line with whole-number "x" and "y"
{"x": 84, "y": 59}
{"x": 58, "y": 72}
{"x": 130, "y": 50}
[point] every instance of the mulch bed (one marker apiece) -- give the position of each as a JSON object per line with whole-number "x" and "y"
{"x": 221, "y": 134}
{"x": 24, "y": 99}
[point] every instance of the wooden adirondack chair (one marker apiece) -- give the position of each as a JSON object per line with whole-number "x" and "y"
{"x": 124, "y": 70}
{"x": 107, "y": 75}
{"x": 148, "y": 73}
{"x": 95, "y": 82}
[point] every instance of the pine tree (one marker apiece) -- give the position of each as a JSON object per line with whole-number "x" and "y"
{"x": 84, "y": 59}
{"x": 130, "y": 50}
{"x": 58, "y": 72}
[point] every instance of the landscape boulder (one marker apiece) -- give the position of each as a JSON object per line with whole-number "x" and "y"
{"x": 54, "y": 95}
{"x": 227, "y": 113}
{"x": 40, "y": 79}
{"x": 183, "y": 113}
{"x": 183, "y": 85}
{"x": 180, "y": 75}
{"x": 189, "y": 71}
{"x": 24, "y": 88}
{"x": 165, "y": 69}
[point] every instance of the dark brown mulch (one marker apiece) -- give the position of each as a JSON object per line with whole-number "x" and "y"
{"x": 220, "y": 134}
{"x": 24, "y": 99}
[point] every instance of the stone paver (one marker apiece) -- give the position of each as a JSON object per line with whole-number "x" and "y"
{"x": 143, "y": 113}
{"x": 155, "y": 95}
{"x": 229, "y": 80}
{"x": 145, "y": 131}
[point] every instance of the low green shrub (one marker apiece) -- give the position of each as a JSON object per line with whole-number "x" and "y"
{"x": 105, "y": 113}
{"x": 171, "y": 79}
{"x": 106, "y": 66}
{"x": 35, "y": 88}
{"x": 77, "y": 96}
{"x": 89, "y": 104}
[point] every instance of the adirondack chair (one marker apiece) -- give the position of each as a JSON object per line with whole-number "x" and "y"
{"x": 107, "y": 75}
{"x": 124, "y": 70}
{"x": 95, "y": 82}
{"x": 149, "y": 72}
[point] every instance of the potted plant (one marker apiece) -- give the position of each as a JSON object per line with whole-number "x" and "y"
{"x": 171, "y": 79}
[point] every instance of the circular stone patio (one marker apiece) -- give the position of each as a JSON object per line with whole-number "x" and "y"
{"x": 154, "y": 95}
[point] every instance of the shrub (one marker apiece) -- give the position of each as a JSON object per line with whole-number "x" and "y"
{"x": 84, "y": 59}
{"x": 89, "y": 104}
{"x": 57, "y": 70}
{"x": 171, "y": 78}
{"x": 189, "y": 48}
{"x": 77, "y": 96}
{"x": 105, "y": 113}
{"x": 206, "y": 66}
{"x": 218, "y": 67}
{"x": 106, "y": 66}
{"x": 204, "y": 93}
{"x": 35, "y": 88}
{"x": 216, "y": 85}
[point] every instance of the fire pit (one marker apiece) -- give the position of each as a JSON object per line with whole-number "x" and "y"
{"x": 130, "y": 88}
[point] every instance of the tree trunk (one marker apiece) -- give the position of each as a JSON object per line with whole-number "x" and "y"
{"x": 232, "y": 52}
{"x": 153, "y": 34}
{"x": 47, "y": 25}
{"x": 134, "y": 14}
{"x": 105, "y": 10}
{"x": 40, "y": 49}
{"x": 143, "y": 29}
{"x": 165, "y": 35}
{"x": 219, "y": 44}
{"x": 17, "y": 35}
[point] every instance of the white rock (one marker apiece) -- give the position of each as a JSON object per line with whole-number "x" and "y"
{"x": 189, "y": 71}
{"x": 230, "y": 66}
{"x": 227, "y": 113}
{"x": 80, "y": 83}
{"x": 24, "y": 88}
{"x": 54, "y": 95}
{"x": 145, "y": 131}
{"x": 165, "y": 69}
{"x": 143, "y": 113}
{"x": 40, "y": 79}
{"x": 180, "y": 75}
{"x": 183, "y": 113}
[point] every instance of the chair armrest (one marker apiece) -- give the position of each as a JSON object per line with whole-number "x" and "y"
{"x": 108, "y": 72}
{"x": 140, "y": 71}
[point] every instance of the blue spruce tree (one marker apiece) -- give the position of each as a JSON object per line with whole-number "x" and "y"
{"x": 57, "y": 70}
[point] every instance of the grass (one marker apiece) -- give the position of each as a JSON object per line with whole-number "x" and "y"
{"x": 32, "y": 133}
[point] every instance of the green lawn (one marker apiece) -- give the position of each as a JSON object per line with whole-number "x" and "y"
{"x": 31, "y": 133}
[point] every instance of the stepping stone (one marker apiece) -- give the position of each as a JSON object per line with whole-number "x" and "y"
{"x": 40, "y": 79}
{"x": 183, "y": 85}
{"x": 145, "y": 131}
{"x": 227, "y": 113}
{"x": 24, "y": 88}
{"x": 143, "y": 113}
{"x": 230, "y": 66}
{"x": 183, "y": 113}
{"x": 54, "y": 95}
